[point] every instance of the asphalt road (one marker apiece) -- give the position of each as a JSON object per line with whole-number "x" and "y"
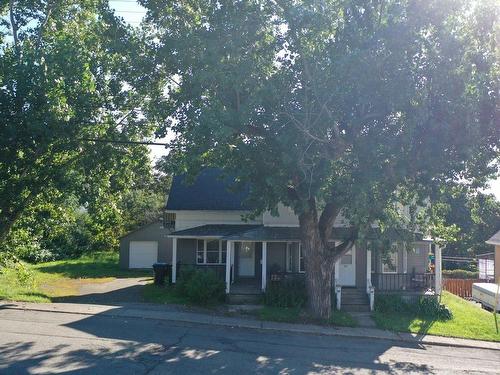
{"x": 46, "y": 342}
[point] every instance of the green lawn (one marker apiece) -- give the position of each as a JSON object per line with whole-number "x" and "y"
{"x": 297, "y": 315}
{"x": 469, "y": 321}
{"x": 62, "y": 278}
{"x": 163, "y": 295}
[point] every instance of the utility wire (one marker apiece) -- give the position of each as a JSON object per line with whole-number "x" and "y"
{"x": 126, "y": 142}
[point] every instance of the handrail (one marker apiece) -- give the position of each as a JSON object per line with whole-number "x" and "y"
{"x": 338, "y": 293}
{"x": 370, "y": 290}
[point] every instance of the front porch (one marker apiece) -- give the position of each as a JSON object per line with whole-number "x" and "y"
{"x": 247, "y": 258}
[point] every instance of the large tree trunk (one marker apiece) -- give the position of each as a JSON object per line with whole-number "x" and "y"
{"x": 319, "y": 266}
{"x": 320, "y": 256}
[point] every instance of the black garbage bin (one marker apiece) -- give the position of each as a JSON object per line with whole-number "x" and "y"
{"x": 160, "y": 270}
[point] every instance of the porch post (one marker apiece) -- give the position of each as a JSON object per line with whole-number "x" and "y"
{"x": 368, "y": 270}
{"x": 337, "y": 271}
{"x": 228, "y": 266}
{"x": 174, "y": 260}
{"x": 438, "y": 269}
{"x": 264, "y": 266}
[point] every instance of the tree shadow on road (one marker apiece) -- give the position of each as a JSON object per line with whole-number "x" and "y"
{"x": 190, "y": 348}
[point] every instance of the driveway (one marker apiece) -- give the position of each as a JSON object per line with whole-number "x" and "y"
{"x": 47, "y": 342}
{"x": 119, "y": 290}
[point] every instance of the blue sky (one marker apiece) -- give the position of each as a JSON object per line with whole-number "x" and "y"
{"x": 133, "y": 13}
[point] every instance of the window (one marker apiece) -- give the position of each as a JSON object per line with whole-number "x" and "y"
{"x": 289, "y": 257}
{"x": 169, "y": 220}
{"x": 302, "y": 267}
{"x": 200, "y": 252}
{"x": 390, "y": 263}
{"x": 210, "y": 252}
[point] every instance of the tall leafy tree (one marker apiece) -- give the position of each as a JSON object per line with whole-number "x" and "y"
{"x": 65, "y": 78}
{"x": 331, "y": 106}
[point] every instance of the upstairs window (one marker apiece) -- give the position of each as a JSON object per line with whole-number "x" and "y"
{"x": 169, "y": 220}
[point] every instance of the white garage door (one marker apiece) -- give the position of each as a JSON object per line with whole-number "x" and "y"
{"x": 143, "y": 254}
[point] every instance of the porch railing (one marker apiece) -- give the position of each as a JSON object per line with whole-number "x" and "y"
{"x": 282, "y": 276}
{"x": 403, "y": 281}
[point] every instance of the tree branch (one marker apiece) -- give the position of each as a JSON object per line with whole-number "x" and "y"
{"x": 327, "y": 219}
{"x": 48, "y": 12}
{"x": 13, "y": 24}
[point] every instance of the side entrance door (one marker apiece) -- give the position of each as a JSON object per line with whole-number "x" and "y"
{"x": 347, "y": 268}
{"x": 246, "y": 264}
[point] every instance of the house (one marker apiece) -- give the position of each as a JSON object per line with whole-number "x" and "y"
{"x": 209, "y": 233}
{"x": 495, "y": 241}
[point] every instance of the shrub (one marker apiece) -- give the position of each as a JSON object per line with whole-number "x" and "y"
{"x": 201, "y": 287}
{"x": 460, "y": 274}
{"x": 423, "y": 306}
{"x": 286, "y": 293}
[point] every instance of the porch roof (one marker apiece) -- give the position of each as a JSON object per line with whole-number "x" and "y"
{"x": 247, "y": 232}
{"x": 212, "y": 230}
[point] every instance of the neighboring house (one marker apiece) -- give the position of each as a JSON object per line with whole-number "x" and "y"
{"x": 209, "y": 233}
{"x": 495, "y": 241}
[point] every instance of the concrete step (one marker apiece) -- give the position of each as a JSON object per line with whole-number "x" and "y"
{"x": 242, "y": 299}
{"x": 355, "y": 301}
{"x": 346, "y": 291}
{"x": 355, "y": 308}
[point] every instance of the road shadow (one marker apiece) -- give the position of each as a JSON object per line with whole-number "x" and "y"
{"x": 197, "y": 348}
{"x": 143, "y": 346}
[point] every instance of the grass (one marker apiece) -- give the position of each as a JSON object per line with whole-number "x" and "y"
{"x": 298, "y": 315}
{"x": 469, "y": 321}
{"x": 62, "y": 278}
{"x": 162, "y": 295}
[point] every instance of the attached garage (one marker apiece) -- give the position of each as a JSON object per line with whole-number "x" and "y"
{"x": 143, "y": 254}
{"x": 145, "y": 246}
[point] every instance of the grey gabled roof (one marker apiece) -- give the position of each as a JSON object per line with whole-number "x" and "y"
{"x": 495, "y": 239}
{"x": 209, "y": 191}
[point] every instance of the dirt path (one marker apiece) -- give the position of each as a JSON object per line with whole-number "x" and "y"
{"x": 114, "y": 291}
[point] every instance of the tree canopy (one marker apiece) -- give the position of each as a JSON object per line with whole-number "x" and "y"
{"x": 348, "y": 106}
{"x": 66, "y": 79}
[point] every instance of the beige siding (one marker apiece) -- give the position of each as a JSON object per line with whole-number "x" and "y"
{"x": 191, "y": 219}
{"x": 287, "y": 218}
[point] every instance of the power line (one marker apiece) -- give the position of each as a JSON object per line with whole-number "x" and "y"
{"x": 126, "y": 142}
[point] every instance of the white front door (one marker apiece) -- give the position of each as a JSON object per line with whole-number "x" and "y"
{"x": 246, "y": 264}
{"x": 347, "y": 268}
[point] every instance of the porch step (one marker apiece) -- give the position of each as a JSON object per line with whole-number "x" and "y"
{"x": 354, "y": 300}
{"x": 355, "y": 308}
{"x": 244, "y": 298}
